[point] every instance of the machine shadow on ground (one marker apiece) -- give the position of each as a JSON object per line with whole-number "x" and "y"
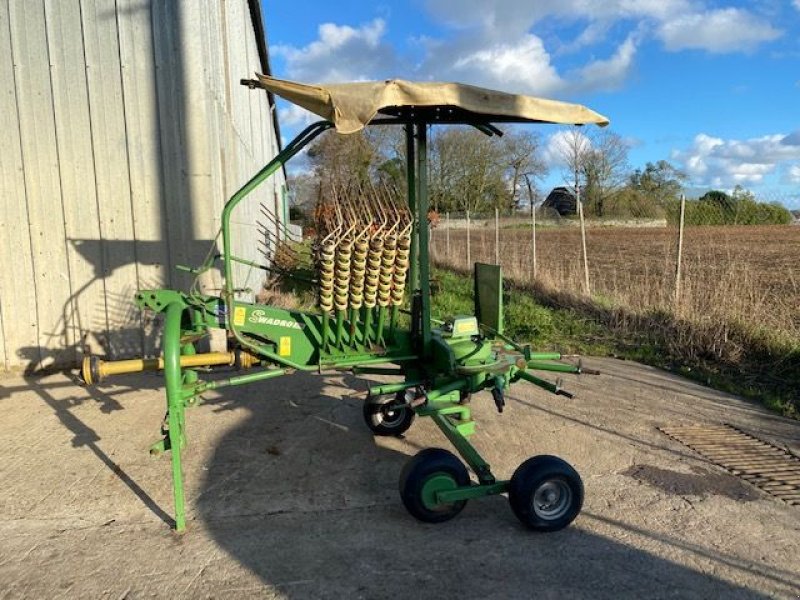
{"x": 84, "y": 435}
{"x": 303, "y": 495}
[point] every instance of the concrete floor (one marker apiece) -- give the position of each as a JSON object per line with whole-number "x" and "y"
{"x": 291, "y": 497}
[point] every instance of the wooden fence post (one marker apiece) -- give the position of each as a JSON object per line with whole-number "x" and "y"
{"x": 533, "y": 236}
{"x": 469, "y": 256}
{"x": 447, "y": 238}
{"x": 679, "y": 261}
{"x": 496, "y": 236}
{"x": 583, "y": 240}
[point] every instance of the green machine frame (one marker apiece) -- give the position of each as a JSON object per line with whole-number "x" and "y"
{"x": 439, "y": 364}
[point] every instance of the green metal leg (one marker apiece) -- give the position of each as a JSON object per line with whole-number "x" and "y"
{"x": 455, "y": 422}
{"x": 464, "y": 448}
{"x": 381, "y": 324}
{"x": 339, "y": 329}
{"x": 326, "y": 318}
{"x": 353, "y": 326}
{"x": 175, "y": 406}
{"x": 368, "y": 326}
{"x": 393, "y": 321}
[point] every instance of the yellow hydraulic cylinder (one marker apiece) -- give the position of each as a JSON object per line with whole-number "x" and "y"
{"x": 94, "y": 370}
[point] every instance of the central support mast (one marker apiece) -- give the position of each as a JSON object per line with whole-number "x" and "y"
{"x": 423, "y": 232}
{"x": 411, "y": 191}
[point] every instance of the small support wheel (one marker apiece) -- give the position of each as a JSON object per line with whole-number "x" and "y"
{"x": 431, "y": 471}
{"x": 546, "y": 493}
{"x": 384, "y": 419}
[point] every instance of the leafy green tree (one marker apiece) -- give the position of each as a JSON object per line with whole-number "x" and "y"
{"x": 742, "y": 193}
{"x": 718, "y": 198}
{"x": 739, "y": 208}
{"x": 658, "y": 182}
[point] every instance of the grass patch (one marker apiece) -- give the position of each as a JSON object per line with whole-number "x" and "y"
{"x": 549, "y": 329}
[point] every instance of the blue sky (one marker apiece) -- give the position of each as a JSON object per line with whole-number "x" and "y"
{"x": 714, "y": 87}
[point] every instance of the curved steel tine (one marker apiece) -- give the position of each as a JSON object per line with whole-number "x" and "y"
{"x": 392, "y": 209}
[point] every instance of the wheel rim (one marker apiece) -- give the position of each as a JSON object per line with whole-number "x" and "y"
{"x": 438, "y": 482}
{"x": 552, "y": 499}
{"x": 391, "y": 417}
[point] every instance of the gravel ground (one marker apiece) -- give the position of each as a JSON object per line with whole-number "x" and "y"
{"x": 290, "y": 496}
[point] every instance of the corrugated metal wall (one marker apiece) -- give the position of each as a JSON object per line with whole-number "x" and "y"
{"x": 123, "y": 129}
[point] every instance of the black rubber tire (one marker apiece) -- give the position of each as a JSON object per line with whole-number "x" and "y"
{"x": 381, "y": 422}
{"x": 560, "y": 492}
{"x": 418, "y": 470}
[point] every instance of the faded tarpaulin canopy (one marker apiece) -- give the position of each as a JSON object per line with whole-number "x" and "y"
{"x": 350, "y": 106}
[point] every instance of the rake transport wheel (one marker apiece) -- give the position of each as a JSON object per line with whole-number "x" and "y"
{"x": 545, "y": 493}
{"x": 384, "y": 419}
{"x": 431, "y": 471}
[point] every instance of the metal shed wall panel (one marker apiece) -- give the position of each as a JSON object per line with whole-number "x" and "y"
{"x": 124, "y": 130}
{"x": 42, "y": 184}
{"x": 76, "y": 172}
{"x": 17, "y": 295}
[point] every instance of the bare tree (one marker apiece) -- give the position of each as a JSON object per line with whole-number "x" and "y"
{"x": 596, "y": 164}
{"x": 605, "y": 168}
{"x": 521, "y": 151}
{"x": 573, "y": 149}
{"x": 467, "y": 169}
{"x": 342, "y": 162}
{"x": 302, "y": 190}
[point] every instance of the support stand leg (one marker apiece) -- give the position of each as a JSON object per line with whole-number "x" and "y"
{"x": 175, "y": 406}
{"x": 455, "y": 422}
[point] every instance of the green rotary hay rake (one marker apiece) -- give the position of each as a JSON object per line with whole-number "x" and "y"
{"x": 374, "y": 309}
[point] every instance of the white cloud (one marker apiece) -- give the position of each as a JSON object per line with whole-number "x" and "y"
{"x": 341, "y": 53}
{"x": 724, "y": 163}
{"x": 680, "y": 24}
{"x": 793, "y": 172}
{"x": 491, "y": 43}
{"x": 796, "y": 4}
{"x": 610, "y": 73}
{"x": 523, "y": 66}
{"x": 594, "y": 33}
{"x": 507, "y": 17}
{"x": 562, "y": 144}
{"x": 722, "y": 30}
{"x": 291, "y": 115}
{"x": 495, "y": 45}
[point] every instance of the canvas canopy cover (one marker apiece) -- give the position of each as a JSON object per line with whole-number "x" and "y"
{"x": 351, "y": 106}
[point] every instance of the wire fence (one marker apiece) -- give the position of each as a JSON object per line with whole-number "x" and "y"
{"x": 703, "y": 262}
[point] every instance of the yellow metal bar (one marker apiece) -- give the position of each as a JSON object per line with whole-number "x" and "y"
{"x": 95, "y": 370}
